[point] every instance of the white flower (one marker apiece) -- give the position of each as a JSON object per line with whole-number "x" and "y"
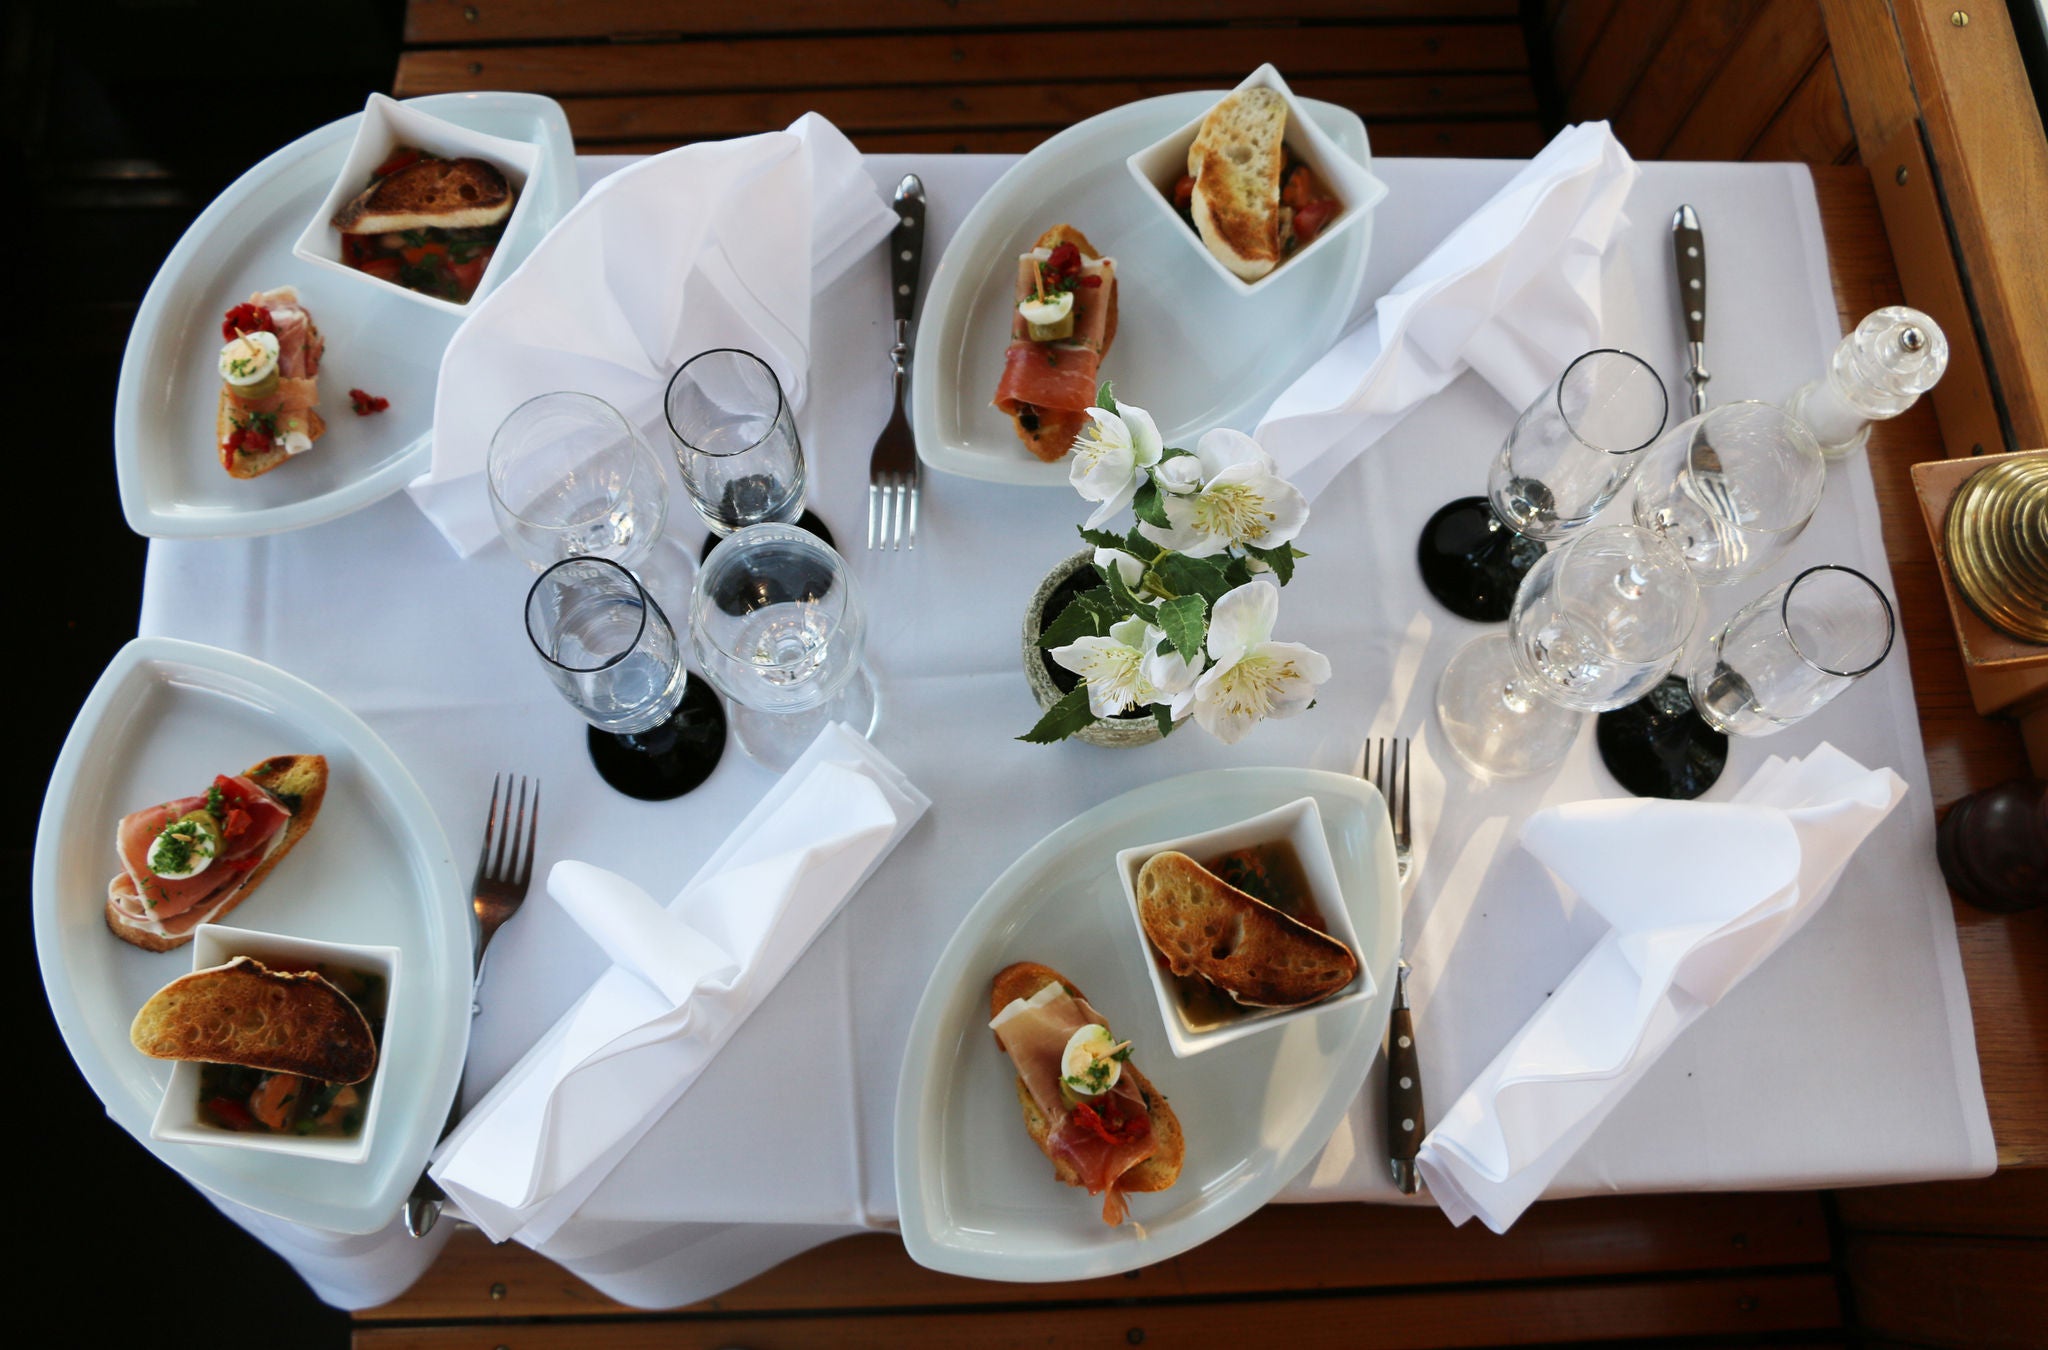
{"x": 1251, "y": 677}
{"x": 1178, "y": 476}
{"x": 1112, "y": 667}
{"x": 1242, "y": 502}
{"x": 1130, "y": 568}
{"x": 1110, "y": 457}
{"x": 1125, "y": 670}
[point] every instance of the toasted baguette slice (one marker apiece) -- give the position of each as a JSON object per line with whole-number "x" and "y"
{"x": 245, "y": 1013}
{"x": 1261, "y": 957}
{"x": 1157, "y": 1172}
{"x": 430, "y": 194}
{"x": 262, "y": 462}
{"x": 1236, "y": 161}
{"x": 299, "y": 782}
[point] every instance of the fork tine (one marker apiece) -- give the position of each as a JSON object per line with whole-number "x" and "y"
{"x": 874, "y": 492}
{"x": 1407, "y": 781}
{"x": 902, "y": 505}
{"x": 532, "y": 837}
{"x": 483, "y": 862}
{"x": 914, "y": 494}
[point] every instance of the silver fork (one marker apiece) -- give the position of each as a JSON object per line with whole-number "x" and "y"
{"x": 1387, "y": 764}
{"x": 496, "y": 893}
{"x": 892, "y": 468}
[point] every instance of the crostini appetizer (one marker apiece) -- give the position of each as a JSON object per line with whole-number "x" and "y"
{"x": 269, "y": 372}
{"x": 1061, "y": 328}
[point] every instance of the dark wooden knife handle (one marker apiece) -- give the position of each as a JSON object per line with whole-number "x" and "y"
{"x": 1405, "y": 1122}
{"x": 906, "y": 246}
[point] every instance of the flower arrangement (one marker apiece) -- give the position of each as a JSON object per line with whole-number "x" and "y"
{"x": 1183, "y": 621}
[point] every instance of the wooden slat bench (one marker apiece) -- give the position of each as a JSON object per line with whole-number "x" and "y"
{"x": 977, "y": 75}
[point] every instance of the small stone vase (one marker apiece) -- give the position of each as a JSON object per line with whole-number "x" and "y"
{"x": 1138, "y": 729}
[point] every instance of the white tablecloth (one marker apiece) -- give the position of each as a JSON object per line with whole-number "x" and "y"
{"x": 1847, "y": 1059}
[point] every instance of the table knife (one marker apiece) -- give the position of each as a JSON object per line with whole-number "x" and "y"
{"x": 1405, "y": 1124}
{"x": 1689, "y": 248}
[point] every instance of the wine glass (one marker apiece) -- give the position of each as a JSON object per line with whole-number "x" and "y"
{"x": 778, "y": 627}
{"x": 656, "y": 731}
{"x": 1731, "y": 488}
{"x": 736, "y": 442}
{"x": 1785, "y": 655}
{"x": 569, "y": 476}
{"x": 1566, "y": 457}
{"x": 1594, "y": 625}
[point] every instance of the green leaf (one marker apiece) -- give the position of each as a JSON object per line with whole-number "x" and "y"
{"x": 1236, "y": 572}
{"x": 1174, "y": 452}
{"x": 1105, "y": 397}
{"x": 1164, "y": 716}
{"x": 1148, "y": 506}
{"x": 1137, "y": 545}
{"x": 1281, "y": 560}
{"x": 1062, "y": 719}
{"x": 1127, "y": 603}
{"x": 1205, "y": 577}
{"x": 1102, "y": 538}
{"x": 1088, "y": 614}
{"x": 1184, "y": 620}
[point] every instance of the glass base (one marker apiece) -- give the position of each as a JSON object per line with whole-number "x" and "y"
{"x": 806, "y": 521}
{"x": 774, "y": 740}
{"x": 1471, "y": 562}
{"x": 1495, "y": 724}
{"x": 671, "y": 759}
{"x": 1659, "y": 747}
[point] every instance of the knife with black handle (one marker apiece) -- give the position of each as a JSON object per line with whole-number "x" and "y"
{"x": 1405, "y": 1124}
{"x": 1689, "y": 249}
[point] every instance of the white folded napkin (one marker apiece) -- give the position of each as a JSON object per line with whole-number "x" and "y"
{"x": 1699, "y": 894}
{"x": 1513, "y": 293}
{"x": 719, "y": 244}
{"x": 684, "y": 979}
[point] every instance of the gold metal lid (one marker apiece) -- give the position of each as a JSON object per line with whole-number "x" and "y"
{"x": 1997, "y": 540}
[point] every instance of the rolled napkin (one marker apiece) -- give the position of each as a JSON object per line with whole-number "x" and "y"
{"x": 685, "y": 977}
{"x": 1513, "y": 293}
{"x": 1699, "y": 894}
{"x": 718, "y": 244}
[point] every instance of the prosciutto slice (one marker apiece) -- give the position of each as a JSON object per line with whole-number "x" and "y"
{"x": 253, "y": 827}
{"x": 1049, "y": 386}
{"x": 1100, "y": 1137}
{"x": 299, "y": 344}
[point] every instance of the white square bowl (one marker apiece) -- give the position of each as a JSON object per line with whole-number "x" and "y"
{"x": 1301, "y": 824}
{"x": 178, "y": 1118}
{"x": 1163, "y": 163}
{"x": 387, "y": 125}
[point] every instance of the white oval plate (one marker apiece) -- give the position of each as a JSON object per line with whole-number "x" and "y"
{"x": 165, "y": 717}
{"x": 1190, "y": 349}
{"x": 975, "y": 1195}
{"x": 172, "y": 485}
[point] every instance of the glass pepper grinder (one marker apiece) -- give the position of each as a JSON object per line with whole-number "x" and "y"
{"x": 1878, "y": 371}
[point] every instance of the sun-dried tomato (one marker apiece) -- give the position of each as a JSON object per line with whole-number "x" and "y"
{"x": 1121, "y": 1131}
{"x": 246, "y": 319}
{"x": 365, "y": 404}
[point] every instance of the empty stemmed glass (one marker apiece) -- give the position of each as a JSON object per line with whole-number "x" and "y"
{"x": 655, "y": 730}
{"x": 1785, "y": 655}
{"x": 569, "y": 476}
{"x": 777, "y": 625}
{"x": 1594, "y": 625}
{"x": 736, "y": 442}
{"x": 1731, "y": 488}
{"x": 1566, "y": 457}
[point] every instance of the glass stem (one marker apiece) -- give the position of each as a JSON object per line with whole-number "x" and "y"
{"x": 1517, "y": 695}
{"x": 1632, "y": 582}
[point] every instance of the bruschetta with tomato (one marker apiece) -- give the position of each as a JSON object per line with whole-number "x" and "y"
{"x": 1061, "y": 328}
{"x": 191, "y": 860}
{"x": 270, "y": 383}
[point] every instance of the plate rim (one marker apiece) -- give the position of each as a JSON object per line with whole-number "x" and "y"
{"x": 946, "y": 290}
{"x": 387, "y": 773}
{"x": 916, "y": 1081}
{"x": 144, "y": 516}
